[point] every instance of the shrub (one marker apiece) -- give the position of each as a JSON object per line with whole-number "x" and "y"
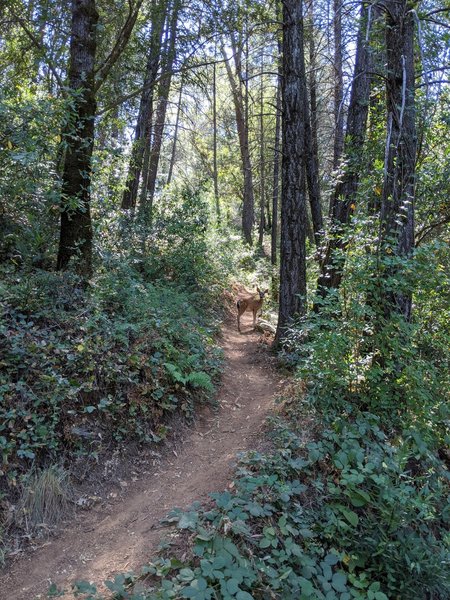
{"x": 345, "y": 516}
{"x": 69, "y": 357}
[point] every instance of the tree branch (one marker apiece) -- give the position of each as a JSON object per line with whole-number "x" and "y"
{"x": 161, "y": 76}
{"x": 426, "y": 229}
{"x": 435, "y": 12}
{"x": 119, "y": 45}
{"x": 40, "y": 46}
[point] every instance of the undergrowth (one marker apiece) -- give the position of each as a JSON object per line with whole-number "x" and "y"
{"x": 85, "y": 369}
{"x": 345, "y": 516}
{"x": 353, "y": 499}
{"x": 114, "y": 361}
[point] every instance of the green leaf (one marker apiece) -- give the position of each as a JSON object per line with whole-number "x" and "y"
{"x": 331, "y": 559}
{"x": 53, "y": 591}
{"x": 201, "y": 583}
{"x": 200, "y": 379}
{"x": 232, "y": 586}
{"x": 186, "y": 574}
{"x": 359, "y": 497}
{"x": 286, "y": 574}
{"x": 188, "y": 520}
{"x": 25, "y": 453}
{"x": 339, "y": 581}
{"x": 350, "y": 515}
{"x": 175, "y": 373}
{"x": 306, "y": 586}
{"x": 84, "y": 587}
{"x": 241, "y": 595}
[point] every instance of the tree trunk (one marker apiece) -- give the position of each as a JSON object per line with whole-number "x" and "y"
{"x": 312, "y": 151}
{"x": 338, "y": 85}
{"x": 76, "y": 227}
{"x": 262, "y": 171}
{"x": 312, "y": 178}
{"x": 144, "y": 122}
{"x": 397, "y": 209}
{"x": 276, "y": 174}
{"x": 149, "y": 177}
{"x": 345, "y": 192}
{"x": 377, "y": 105}
{"x": 293, "y": 209}
{"x": 248, "y": 209}
{"x": 215, "y": 169}
{"x": 175, "y": 137}
{"x": 276, "y": 152}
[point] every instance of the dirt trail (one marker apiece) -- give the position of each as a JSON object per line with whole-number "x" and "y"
{"x": 123, "y": 536}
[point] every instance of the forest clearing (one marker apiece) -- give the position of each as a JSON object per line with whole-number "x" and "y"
{"x": 225, "y": 299}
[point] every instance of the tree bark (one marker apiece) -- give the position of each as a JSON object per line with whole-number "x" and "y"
{"x": 312, "y": 178}
{"x": 376, "y": 102}
{"x": 175, "y": 137}
{"x": 144, "y": 120}
{"x": 293, "y": 210}
{"x": 215, "y": 169}
{"x": 276, "y": 179}
{"x": 397, "y": 209}
{"x": 312, "y": 148}
{"x": 345, "y": 192}
{"x": 262, "y": 171}
{"x": 76, "y": 227}
{"x": 248, "y": 209}
{"x": 149, "y": 177}
{"x": 338, "y": 85}
{"x": 276, "y": 154}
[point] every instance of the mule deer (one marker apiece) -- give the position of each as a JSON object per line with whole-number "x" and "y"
{"x": 250, "y": 303}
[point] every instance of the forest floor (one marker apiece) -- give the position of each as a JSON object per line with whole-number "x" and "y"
{"x": 121, "y": 534}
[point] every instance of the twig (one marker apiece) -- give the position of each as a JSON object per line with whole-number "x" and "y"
{"x": 41, "y": 47}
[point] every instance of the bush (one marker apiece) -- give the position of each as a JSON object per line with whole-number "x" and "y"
{"x": 353, "y": 357}
{"x": 345, "y": 516}
{"x": 130, "y": 351}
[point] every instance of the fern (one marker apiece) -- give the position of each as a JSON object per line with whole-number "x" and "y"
{"x": 175, "y": 373}
{"x": 200, "y": 379}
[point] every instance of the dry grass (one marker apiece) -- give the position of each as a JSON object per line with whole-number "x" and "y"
{"x": 45, "y": 499}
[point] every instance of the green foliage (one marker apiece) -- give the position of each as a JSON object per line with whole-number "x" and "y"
{"x": 178, "y": 239}
{"x": 29, "y": 141}
{"x": 347, "y": 516}
{"x": 363, "y": 510}
{"x": 69, "y": 357}
{"x": 354, "y": 356}
{"x": 338, "y": 516}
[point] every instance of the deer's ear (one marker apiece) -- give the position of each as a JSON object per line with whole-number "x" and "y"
{"x": 257, "y": 289}
{"x": 266, "y": 291}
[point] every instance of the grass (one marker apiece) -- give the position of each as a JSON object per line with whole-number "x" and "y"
{"x": 45, "y": 499}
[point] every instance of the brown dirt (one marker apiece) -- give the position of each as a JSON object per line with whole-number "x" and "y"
{"x": 123, "y": 535}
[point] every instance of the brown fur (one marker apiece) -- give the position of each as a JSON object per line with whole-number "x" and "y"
{"x": 250, "y": 303}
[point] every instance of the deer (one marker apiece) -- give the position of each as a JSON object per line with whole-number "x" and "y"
{"x": 250, "y": 303}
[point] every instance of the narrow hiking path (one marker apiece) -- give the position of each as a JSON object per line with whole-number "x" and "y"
{"x": 123, "y": 536}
